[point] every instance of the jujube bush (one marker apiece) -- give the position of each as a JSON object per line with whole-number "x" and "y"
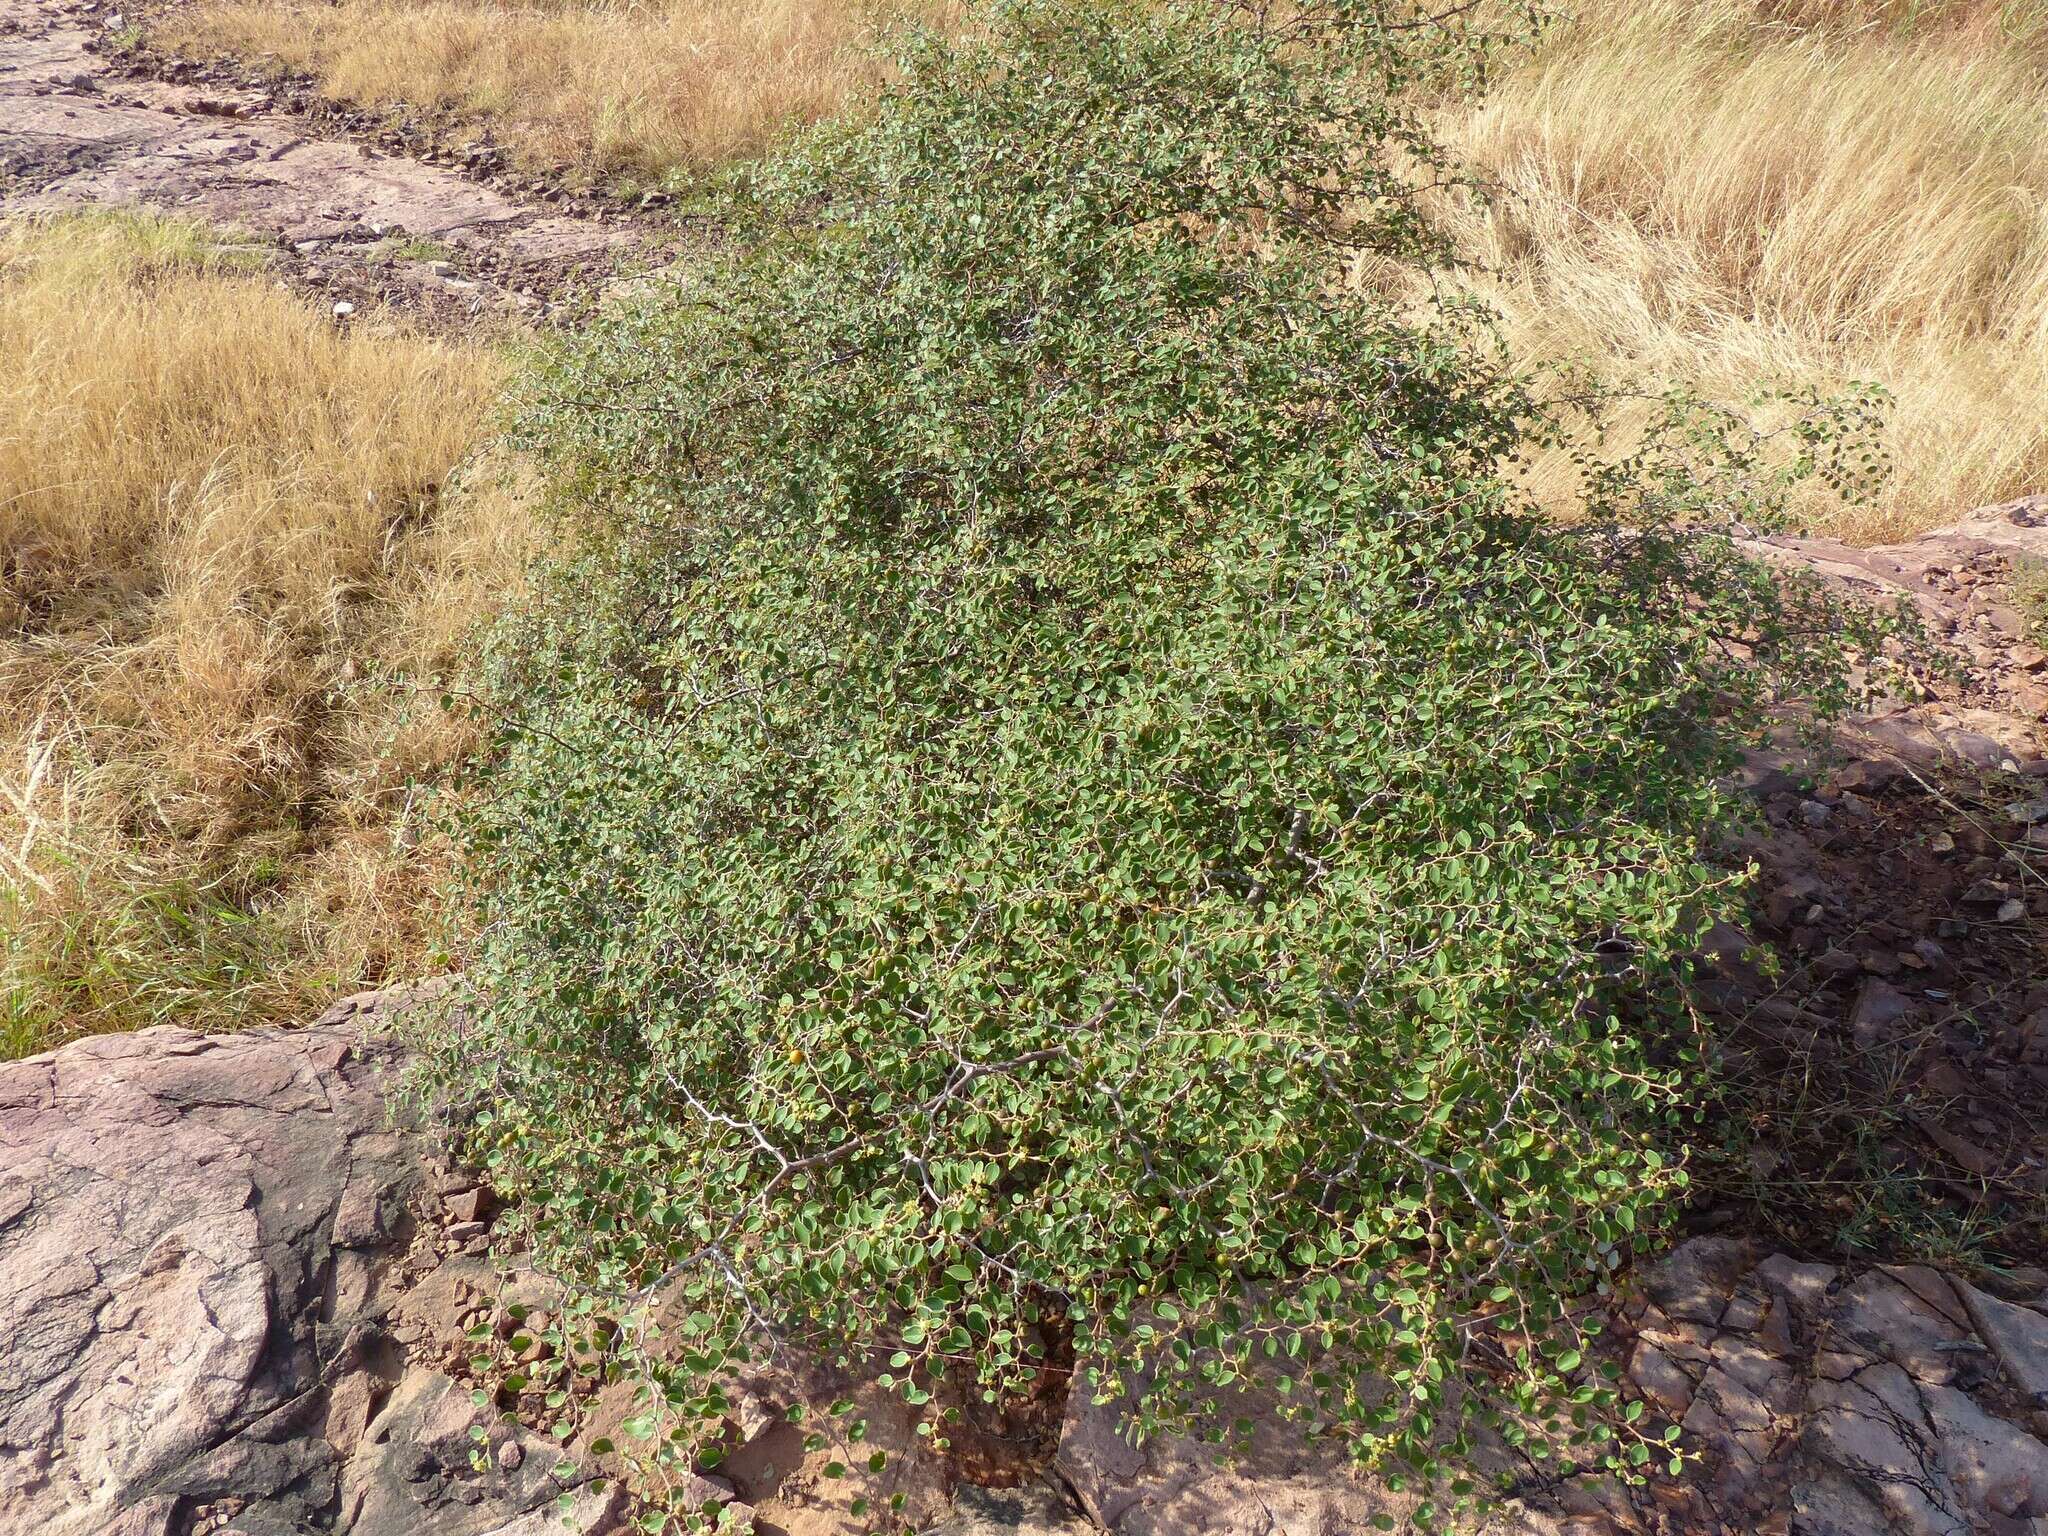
{"x": 1065, "y": 801}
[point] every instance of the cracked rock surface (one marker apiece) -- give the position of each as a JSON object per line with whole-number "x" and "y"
{"x": 1814, "y": 1401}
{"x": 233, "y": 1297}
{"x": 201, "y": 1243}
{"x": 1892, "y": 1402}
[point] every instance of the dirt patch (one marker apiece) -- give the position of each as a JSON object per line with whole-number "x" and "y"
{"x": 352, "y": 220}
{"x": 1883, "y": 1020}
{"x": 1883, "y": 1023}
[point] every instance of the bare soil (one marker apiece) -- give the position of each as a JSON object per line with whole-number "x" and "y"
{"x": 1882, "y": 1023}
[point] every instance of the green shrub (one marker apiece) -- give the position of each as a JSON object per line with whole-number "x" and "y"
{"x": 1065, "y": 799}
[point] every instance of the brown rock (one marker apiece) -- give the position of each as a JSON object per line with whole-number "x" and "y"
{"x": 1789, "y": 902}
{"x": 97, "y": 140}
{"x": 2018, "y": 1336}
{"x": 599, "y": 1513}
{"x": 1661, "y": 1379}
{"x": 1837, "y": 964}
{"x": 199, "y": 1254}
{"x": 695, "y": 1490}
{"x": 186, "y": 1191}
{"x": 471, "y": 1204}
{"x": 350, "y": 1406}
{"x": 1879, "y": 1011}
{"x": 1886, "y": 1431}
{"x": 1961, "y": 1150}
{"x": 1869, "y": 774}
{"x": 155, "y": 1516}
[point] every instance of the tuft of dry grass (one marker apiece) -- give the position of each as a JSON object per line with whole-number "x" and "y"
{"x": 231, "y": 569}
{"x": 610, "y": 87}
{"x": 1802, "y": 192}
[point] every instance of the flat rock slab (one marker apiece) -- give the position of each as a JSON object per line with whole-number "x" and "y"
{"x": 199, "y": 1243}
{"x": 75, "y": 134}
{"x": 227, "y": 1306}
{"x": 1894, "y": 1401}
{"x": 169, "y": 1207}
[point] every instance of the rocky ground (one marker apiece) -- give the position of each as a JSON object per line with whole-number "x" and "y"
{"x": 1833, "y": 1401}
{"x": 87, "y": 124}
{"x": 238, "y": 1296}
{"x": 1886, "y": 1035}
{"x": 1991, "y": 709}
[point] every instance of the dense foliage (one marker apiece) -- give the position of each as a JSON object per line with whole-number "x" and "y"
{"x": 1064, "y": 801}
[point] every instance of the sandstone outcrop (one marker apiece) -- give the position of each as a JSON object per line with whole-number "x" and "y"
{"x": 230, "y": 1302}
{"x": 201, "y": 1242}
{"x": 75, "y": 132}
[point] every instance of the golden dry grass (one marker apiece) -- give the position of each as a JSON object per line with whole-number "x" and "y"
{"x": 1725, "y": 193}
{"x": 229, "y": 574}
{"x": 613, "y": 89}
{"x": 1720, "y": 193}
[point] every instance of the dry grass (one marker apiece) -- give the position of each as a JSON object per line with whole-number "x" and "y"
{"x": 228, "y": 577}
{"x": 613, "y": 89}
{"x": 1720, "y": 192}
